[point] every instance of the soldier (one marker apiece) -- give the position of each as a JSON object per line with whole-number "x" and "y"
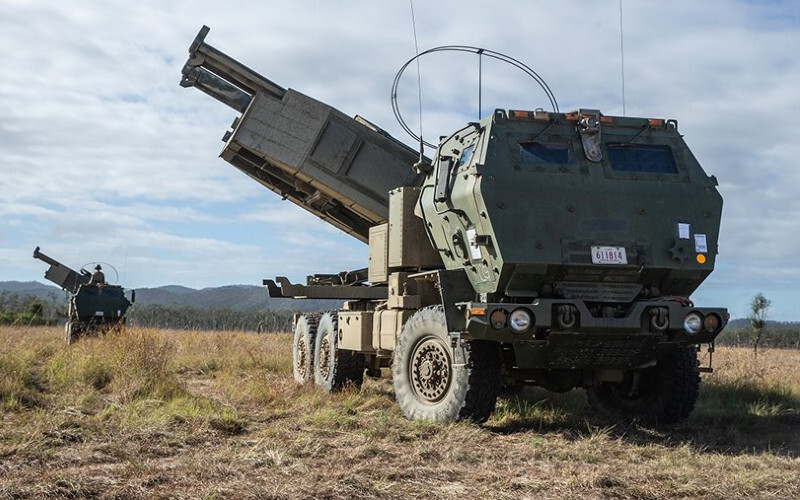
{"x": 98, "y": 278}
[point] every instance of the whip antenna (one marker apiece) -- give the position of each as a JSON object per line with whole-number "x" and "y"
{"x": 622, "y": 56}
{"x": 480, "y": 82}
{"x": 419, "y": 84}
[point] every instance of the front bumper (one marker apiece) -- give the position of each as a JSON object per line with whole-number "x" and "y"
{"x": 564, "y": 334}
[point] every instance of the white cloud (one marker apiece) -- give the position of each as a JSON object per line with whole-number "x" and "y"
{"x": 96, "y": 133}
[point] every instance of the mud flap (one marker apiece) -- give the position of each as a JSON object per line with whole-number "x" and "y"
{"x": 454, "y": 288}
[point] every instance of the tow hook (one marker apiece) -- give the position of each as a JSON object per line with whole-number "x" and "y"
{"x": 567, "y": 316}
{"x": 659, "y": 318}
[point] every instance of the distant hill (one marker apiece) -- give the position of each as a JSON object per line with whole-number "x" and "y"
{"x": 235, "y": 297}
{"x": 38, "y": 290}
{"x": 738, "y": 324}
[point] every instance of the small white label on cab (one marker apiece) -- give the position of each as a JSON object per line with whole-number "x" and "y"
{"x": 474, "y": 249}
{"x": 700, "y": 243}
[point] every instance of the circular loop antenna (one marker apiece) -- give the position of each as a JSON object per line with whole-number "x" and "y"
{"x": 106, "y": 265}
{"x": 474, "y": 50}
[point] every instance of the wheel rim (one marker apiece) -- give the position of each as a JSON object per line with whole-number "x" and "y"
{"x": 324, "y": 357}
{"x": 302, "y": 358}
{"x": 430, "y": 370}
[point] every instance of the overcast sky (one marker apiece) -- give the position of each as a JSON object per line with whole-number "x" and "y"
{"x": 105, "y": 158}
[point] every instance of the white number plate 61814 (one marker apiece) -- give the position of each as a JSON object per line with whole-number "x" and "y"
{"x": 609, "y": 255}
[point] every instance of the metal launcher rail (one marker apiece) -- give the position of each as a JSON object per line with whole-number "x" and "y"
{"x": 338, "y": 168}
{"x": 63, "y": 276}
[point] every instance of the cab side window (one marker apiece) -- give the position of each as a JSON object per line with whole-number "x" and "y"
{"x": 466, "y": 155}
{"x": 657, "y": 159}
{"x": 540, "y": 153}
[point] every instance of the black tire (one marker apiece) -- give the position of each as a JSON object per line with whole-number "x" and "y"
{"x": 334, "y": 368}
{"x": 303, "y": 348}
{"x": 666, "y": 393}
{"x": 434, "y": 381}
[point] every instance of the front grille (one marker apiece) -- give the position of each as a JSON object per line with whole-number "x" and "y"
{"x": 599, "y": 292}
{"x": 582, "y": 352}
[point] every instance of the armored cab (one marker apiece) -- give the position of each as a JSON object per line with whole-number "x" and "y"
{"x": 552, "y": 249}
{"x": 594, "y": 222}
{"x": 94, "y": 305}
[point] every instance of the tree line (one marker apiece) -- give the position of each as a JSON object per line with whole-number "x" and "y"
{"x": 16, "y": 309}
{"x": 772, "y": 334}
{"x": 192, "y": 318}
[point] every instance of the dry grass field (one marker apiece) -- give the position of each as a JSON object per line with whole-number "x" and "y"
{"x": 174, "y": 414}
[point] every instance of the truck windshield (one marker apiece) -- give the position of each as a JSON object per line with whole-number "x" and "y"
{"x": 541, "y": 153}
{"x": 655, "y": 159}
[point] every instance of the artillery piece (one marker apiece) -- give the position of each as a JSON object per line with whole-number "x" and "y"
{"x": 94, "y": 305}
{"x": 543, "y": 248}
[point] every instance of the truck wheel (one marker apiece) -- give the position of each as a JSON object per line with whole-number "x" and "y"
{"x": 303, "y": 348}
{"x": 335, "y": 368}
{"x": 663, "y": 394}
{"x": 434, "y": 381}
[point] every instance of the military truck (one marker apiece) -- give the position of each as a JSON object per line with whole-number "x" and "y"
{"x": 94, "y": 305}
{"x": 535, "y": 248}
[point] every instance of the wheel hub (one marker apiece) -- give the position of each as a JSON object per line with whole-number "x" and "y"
{"x": 430, "y": 370}
{"x": 324, "y": 357}
{"x": 302, "y": 359}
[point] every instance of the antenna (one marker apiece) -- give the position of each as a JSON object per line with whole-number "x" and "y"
{"x": 622, "y": 56}
{"x": 419, "y": 84}
{"x": 480, "y": 82}
{"x": 472, "y": 50}
{"x": 116, "y": 273}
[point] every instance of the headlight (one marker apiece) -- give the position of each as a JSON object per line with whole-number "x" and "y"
{"x": 711, "y": 323}
{"x": 692, "y": 323}
{"x": 520, "y": 320}
{"x": 498, "y": 319}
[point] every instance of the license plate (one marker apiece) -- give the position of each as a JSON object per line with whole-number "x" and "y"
{"x": 609, "y": 255}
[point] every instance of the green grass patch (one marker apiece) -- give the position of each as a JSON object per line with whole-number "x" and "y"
{"x": 746, "y": 401}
